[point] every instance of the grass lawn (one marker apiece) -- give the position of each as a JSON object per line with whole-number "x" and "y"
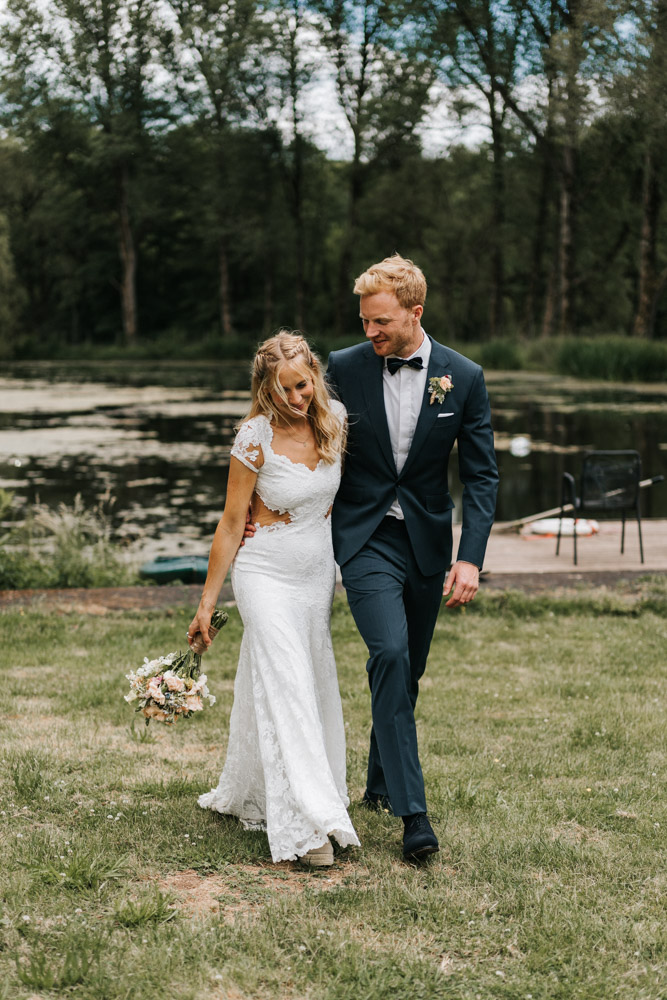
{"x": 543, "y": 735}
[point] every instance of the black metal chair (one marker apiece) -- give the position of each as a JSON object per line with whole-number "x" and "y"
{"x": 609, "y": 484}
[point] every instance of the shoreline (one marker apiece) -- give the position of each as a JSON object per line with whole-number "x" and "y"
{"x": 100, "y": 600}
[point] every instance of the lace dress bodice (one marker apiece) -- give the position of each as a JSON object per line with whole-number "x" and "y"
{"x": 284, "y": 486}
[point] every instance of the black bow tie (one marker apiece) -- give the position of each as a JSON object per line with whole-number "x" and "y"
{"x": 393, "y": 364}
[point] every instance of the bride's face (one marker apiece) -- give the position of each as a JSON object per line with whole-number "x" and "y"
{"x": 298, "y": 388}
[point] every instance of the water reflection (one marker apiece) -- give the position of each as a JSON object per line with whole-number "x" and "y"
{"x": 565, "y": 420}
{"x": 156, "y": 439}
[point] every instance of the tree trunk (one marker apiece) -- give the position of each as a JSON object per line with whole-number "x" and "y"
{"x": 536, "y": 278}
{"x": 549, "y": 314}
{"x": 300, "y": 291}
{"x": 297, "y": 165}
{"x": 565, "y": 241}
{"x": 345, "y": 263}
{"x": 224, "y": 304}
{"x": 128, "y": 257}
{"x": 536, "y": 287}
{"x": 643, "y": 322}
{"x": 496, "y": 316}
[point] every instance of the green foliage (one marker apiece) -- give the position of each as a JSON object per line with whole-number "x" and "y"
{"x": 152, "y": 907}
{"x": 26, "y": 770}
{"x": 77, "y": 955}
{"x": 84, "y": 868}
{"x": 39, "y": 972}
{"x": 240, "y": 226}
{"x": 619, "y": 359}
{"x": 514, "y": 604}
{"x": 66, "y": 547}
{"x": 140, "y": 735}
{"x": 501, "y": 354}
{"x": 10, "y": 297}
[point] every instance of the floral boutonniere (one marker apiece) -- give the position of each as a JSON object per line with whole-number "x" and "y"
{"x": 438, "y": 387}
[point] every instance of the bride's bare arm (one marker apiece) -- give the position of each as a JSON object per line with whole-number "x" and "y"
{"x": 226, "y": 541}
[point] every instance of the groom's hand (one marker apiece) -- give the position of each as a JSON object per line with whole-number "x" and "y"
{"x": 250, "y": 528}
{"x": 462, "y": 583}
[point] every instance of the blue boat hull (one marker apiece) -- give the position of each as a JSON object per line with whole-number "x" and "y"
{"x": 169, "y": 569}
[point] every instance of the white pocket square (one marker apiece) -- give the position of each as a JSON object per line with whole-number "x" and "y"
{"x": 445, "y": 415}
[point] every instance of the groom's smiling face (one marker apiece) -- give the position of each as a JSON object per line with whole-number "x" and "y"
{"x": 391, "y": 328}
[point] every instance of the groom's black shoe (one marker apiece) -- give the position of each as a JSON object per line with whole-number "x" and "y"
{"x": 419, "y": 841}
{"x": 376, "y": 803}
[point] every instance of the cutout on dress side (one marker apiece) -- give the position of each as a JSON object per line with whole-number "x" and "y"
{"x": 264, "y": 516}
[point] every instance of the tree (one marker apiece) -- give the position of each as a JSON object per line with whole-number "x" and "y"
{"x": 474, "y": 46}
{"x": 216, "y": 53}
{"x": 295, "y": 50}
{"x": 93, "y": 56}
{"x": 9, "y": 292}
{"x": 565, "y": 50}
{"x": 647, "y": 90}
{"x": 383, "y": 89}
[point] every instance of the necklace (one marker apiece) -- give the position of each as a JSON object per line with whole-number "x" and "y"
{"x": 304, "y": 443}
{"x": 296, "y": 440}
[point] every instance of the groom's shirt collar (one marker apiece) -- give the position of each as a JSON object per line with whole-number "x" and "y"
{"x": 423, "y": 351}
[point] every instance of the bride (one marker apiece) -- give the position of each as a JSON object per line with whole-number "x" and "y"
{"x": 285, "y": 766}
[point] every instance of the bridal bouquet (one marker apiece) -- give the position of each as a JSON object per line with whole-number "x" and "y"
{"x": 173, "y": 686}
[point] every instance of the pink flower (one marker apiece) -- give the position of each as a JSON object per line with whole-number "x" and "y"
{"x": 174, "y": 682}
{"x": 154, "y": 691}
{"x": 153, "y": 712}
{"x": 446, "y": 383}
{"x": 193, "y": 703}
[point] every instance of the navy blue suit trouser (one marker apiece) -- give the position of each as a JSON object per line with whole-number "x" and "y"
{"x": 395, "y": 608}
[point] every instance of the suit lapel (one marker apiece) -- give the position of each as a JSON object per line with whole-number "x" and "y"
{"x": 374, "y": 393}
{"x": 439, "y": 364}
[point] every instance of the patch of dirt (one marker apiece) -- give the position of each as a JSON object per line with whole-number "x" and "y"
{"x": 241, "y": 890}
{"x": 27, "y": 709}
{"x": 573, "y": 833}
{"x": 100, "y": 600}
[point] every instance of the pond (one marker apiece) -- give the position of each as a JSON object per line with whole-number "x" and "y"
{"x": 151, "y": 441}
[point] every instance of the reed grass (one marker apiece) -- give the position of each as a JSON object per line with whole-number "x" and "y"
{"x": 608, "y": 357}
{"x": 614, "y": 359}
{"x": 69, "y": 546}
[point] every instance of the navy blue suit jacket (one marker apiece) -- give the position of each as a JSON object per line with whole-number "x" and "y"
{"x": 370, "y": 480}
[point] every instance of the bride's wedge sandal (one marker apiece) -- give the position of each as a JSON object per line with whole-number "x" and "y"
{"x": 318, "y": 857}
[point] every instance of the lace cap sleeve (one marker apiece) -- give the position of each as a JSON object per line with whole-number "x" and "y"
{"x": 247, "y": 447}
{"x": 338, "y": 409}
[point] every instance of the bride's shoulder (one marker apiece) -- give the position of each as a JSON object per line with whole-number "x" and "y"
{"x": 338, "y": 409}
{"x": 251, "y": 435}
{"x": 254, "y": 428}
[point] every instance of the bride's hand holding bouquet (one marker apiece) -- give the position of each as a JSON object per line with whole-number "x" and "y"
{"x": 172, "y": 686}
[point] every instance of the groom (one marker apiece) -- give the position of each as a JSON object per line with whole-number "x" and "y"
{"x": 409, "y": 399}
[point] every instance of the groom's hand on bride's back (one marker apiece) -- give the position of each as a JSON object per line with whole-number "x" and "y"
{"x": 250, "y": 528}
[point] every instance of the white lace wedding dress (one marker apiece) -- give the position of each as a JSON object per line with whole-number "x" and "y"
{"x": 285, "y": 765}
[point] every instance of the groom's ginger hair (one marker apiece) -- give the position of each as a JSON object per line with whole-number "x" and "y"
{"x": 394, "y": 274}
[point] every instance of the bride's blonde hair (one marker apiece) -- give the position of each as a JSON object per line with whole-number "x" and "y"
{"x": 289, "y": 348}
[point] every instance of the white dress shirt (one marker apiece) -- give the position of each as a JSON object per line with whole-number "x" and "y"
{"x": 403, "y": 398}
